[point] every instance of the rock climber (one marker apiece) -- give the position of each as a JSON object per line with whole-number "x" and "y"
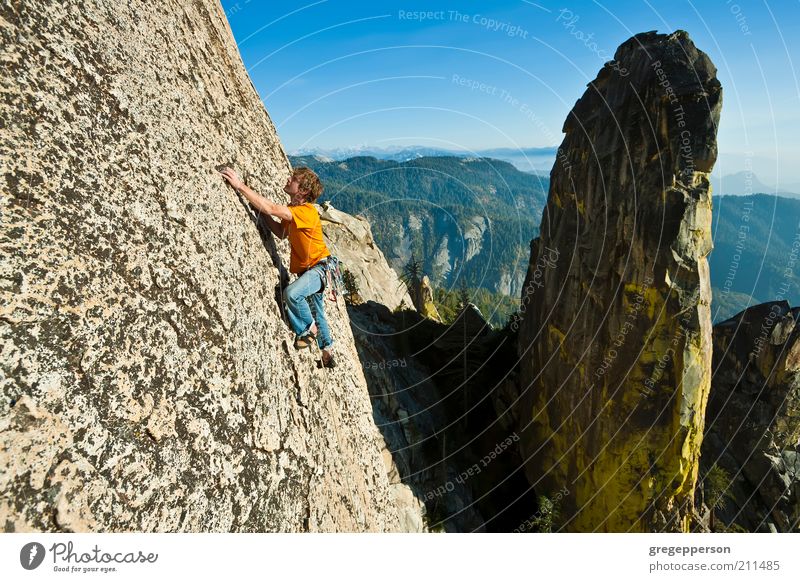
{"x": 300, "y": 222}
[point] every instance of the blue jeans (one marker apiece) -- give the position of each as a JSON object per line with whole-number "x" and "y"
{"x": 308, "y": 288}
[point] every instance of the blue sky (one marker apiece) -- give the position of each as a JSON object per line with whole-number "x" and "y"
{"x": 478, "y": 75}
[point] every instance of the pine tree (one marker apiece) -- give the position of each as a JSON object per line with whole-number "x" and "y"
{"x": 412, "y": 277}
{"x": 463, "y": 295}
{"x": 352, "y": 290}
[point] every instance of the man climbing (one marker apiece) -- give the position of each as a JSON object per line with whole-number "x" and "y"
{"x": 300, "y": 222}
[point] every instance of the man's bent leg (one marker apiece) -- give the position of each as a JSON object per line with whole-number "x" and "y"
{"x": 296, "y": 304}
{"x": 324, "y": 339}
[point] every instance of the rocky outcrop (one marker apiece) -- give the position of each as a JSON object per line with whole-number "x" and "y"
{"x": 408, "y": 407}
{"x": 441, "y": 259}
{"x": 473, "y": 236}
{"x": 350, "y": 239}
{"x": 422, "y": 297}
{"x": 616, "y": 335}
{"x": 412, "y": 413}
{"x": 148, "y": 382}
{"x": 431, "y": 386}
{"x": 753, "y": 421}
{"x": 510, "y": 282}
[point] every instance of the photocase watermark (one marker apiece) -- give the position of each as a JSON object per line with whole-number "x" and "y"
{"x": 741, "y": 19}
{"x": 548, "y": 506}
{"x": 506, "y": 97}
{"x": 648, "y": 386}
{"x": 783, "y": 290}
{"x": 568, "y": 20}
{"x": 236, "y": 8}
{"x": 31, "y": 555}
{"x": 766, "y": 328}
{"x": 685, "y": 149}
{"x": 544, "y": 262}
{"x": 421, "y": 15}
{"x": 741, "y": 238}
{"x": 490, "y": 24}
{"x": 384, "y": 364}
{"x": 563, "y": 159}
{"x": 788, "y": 272}
{"x": 638, "y": 303}
{"x": 748, "y": 173}
{"x": 475, "y": 469}
{"x": 67, "y": 559}
{"x": 526, "y": 110}
{"x": 481, "y": 87}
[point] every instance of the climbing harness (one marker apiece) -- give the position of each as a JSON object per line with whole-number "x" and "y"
{"x": 333, "y": 281}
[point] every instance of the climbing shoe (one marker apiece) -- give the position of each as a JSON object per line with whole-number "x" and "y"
{"x": 327, "y": 359}
{"x": 304, "y": 341}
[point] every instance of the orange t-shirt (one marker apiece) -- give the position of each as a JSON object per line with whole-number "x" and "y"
{"x": 305, "y": 238}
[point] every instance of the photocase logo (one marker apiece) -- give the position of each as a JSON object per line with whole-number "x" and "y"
{"x": 31, "y": 555}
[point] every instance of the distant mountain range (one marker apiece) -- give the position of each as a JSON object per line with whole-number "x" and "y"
{"x": 746, "y": 183}
{"x": 538, "y": 160}
{"x": 474, "y": 218}
{"x": 756, "y": 256}
{"x": 466, "y": 220}
{"x": 395, "y": 153}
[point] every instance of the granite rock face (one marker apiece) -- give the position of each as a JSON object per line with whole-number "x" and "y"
{"x": 615, "y": 339}
{"x": 148, "y": 381}
{"x": 753, "y": 420}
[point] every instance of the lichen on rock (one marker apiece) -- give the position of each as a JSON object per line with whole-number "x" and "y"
{"x": 616, "y": 335}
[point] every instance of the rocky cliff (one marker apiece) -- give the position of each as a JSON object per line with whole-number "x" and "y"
{"x": 148, "y": 381}
{"x": 413, "y": 413}
{"x": 615, "y": 340}
{"x": 751, "y": 448}
{"x": 431, "y": 385}
{"x": 350, "y": 239}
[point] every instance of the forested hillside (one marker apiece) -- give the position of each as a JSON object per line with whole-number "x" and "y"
{"x": 473, "y": 218}
{"x": 756, "y": 252}
{"x": 464, "y": 218}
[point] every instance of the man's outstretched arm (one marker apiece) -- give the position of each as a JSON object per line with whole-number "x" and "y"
{"x": 259, "y": 202}
{"x": 279, "y": 229}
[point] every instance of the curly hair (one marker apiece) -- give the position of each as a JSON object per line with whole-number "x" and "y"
{"x": 309, "y": 182}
